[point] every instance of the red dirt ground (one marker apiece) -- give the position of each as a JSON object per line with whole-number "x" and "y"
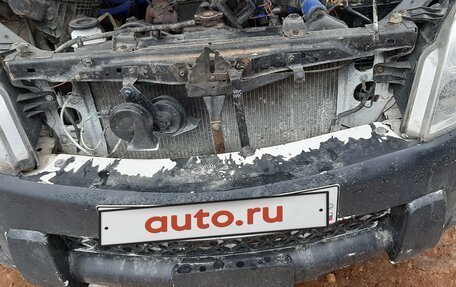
{"x": 435, "y": 268}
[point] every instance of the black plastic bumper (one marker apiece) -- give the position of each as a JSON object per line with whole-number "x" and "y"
{"x": 417, "y": 182}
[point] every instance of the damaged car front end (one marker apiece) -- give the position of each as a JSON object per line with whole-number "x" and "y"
{"x": 227, "y": 143}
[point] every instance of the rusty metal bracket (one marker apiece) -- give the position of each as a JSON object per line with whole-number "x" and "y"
{"x": 214, "y": 106}
{"x": 213, "y": 78}
{"x": 238, "y": 100}
{"x": 209, "y": 76}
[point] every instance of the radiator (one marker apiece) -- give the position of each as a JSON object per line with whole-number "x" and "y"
{"x": 275, "y": 114}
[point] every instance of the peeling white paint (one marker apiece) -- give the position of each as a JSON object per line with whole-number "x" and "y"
{"x": 148, "y": 168}
{"x": 46, "y": 178}
{"x": 143, "y": 167}
{"x": 79, "y": 161}
{"x": 291, "y": 150}
{"x": 130, "y": 167}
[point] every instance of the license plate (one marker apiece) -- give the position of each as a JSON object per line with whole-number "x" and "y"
{"x": 297, "y": 210}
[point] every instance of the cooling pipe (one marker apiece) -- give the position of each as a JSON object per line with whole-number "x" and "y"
{"x": 317, "y": 17}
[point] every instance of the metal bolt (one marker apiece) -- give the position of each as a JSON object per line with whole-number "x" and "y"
{"x": 87, "y": 62}
{"x": 291, "y": 59}
{"x": 49, "y": 98}
{"x": 395, "y": 18}
{"x": 59, "y": 163}
{"x": 381, "y": 131}
{"x": 182, "y": 73}
{"x": 216, "y": 126}
{"x": 126, "y": 92}
{"x": 131, "y": 71}
{"x": 300, "y": 75}
{"x": 23, "y": 48}
{"x": 212, "y": 78}
{"x": 380, "y": 70}
{"x": 162, "y": 122}
{"x": 240, "y": 66}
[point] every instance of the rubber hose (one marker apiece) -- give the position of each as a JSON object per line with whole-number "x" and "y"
{"x": 308, "y": 7}
{"x": 122, "y": 8}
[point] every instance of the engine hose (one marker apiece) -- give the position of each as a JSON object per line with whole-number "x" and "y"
{"x": 116, "y": 2}
{"x": 120, "y": 10}
{"x": 122, "y": 7}
{"x": 308, "y": 7}
{"x": 144, "y": 29}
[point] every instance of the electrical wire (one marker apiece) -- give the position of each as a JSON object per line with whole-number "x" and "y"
{"x": 99, "y": 142}
{"x": 266, "y": 7}
{"x": 349, "y": 112}
{"x": 58, "y": 85}
{"x": 116, "y": 147}
{"x": 332, "y": 7}
{"x": 62, "y": 123}
{"x": 101, "y": 138}
{"x": 70, "y": 118}
{"x": 384, "y": 110}
{"x": 84, "y": 148}
{"x": 325, "y": 69}
{"x": 287, "y": 70}
{"x": 104, "y": 35}
{"x": 353, "y": 11}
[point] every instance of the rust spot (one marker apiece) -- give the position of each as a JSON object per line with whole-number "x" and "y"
{"x": 217, "y": 137}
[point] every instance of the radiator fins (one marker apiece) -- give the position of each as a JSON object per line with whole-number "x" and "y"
{"x": 276, "y": 114}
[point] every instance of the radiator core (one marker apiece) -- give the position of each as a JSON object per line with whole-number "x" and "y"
{"x": 278, "y": 113}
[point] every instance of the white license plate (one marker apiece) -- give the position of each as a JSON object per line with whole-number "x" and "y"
{"x": 134, "y": 224}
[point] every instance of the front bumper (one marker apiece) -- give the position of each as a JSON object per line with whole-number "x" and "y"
{"x": 411, "y": 184}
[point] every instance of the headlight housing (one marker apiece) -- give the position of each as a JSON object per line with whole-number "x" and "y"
{"x": 16, "y": 151}
{"x": 431, "y": 110}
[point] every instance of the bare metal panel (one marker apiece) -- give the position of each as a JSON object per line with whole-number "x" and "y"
{"x": 278, "y": 113}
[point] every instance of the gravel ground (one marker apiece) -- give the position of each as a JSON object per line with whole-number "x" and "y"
{"x": 435, "y": 268}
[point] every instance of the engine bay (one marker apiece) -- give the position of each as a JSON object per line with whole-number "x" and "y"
{"x": 53, "y": 18}
{"x": 175, "y": 79}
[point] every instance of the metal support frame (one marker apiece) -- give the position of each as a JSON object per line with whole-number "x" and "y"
{"x": 169, "y": 61}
